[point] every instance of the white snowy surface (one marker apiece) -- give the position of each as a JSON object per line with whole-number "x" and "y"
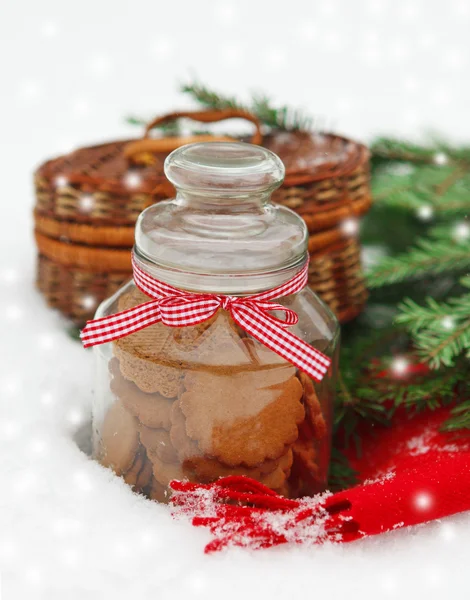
{"x": 69, "y": 529}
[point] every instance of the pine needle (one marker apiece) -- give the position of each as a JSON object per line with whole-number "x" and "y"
{"x": 282, "y": 118}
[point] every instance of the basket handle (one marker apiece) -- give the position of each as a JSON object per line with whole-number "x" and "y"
{"x": 210, "y": 116}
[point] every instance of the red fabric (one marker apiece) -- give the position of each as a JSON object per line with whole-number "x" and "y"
{"x": 411, "y": 473}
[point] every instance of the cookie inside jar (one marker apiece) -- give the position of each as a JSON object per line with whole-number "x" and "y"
{"x": 199, "y": 403}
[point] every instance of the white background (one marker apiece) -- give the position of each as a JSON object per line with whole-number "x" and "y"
{"x": 70, "y": 72}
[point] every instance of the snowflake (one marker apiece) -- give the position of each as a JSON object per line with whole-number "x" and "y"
{"x": 61, "y": 181}
{"x": 400, "y": 365}
{"x": 88, "y": 302}
{"x": 461, "y": 232}
{"x": 440, "y": 158}
{"x": 350, "y": 226}
{"x": 425, "y": 212}
{"x": 86, "y": 202}
{"x": 401, "y": 170}
{"x": 448, "y": 323}
{"x": 423, "y": 501}
{"x": 132, "y": 180}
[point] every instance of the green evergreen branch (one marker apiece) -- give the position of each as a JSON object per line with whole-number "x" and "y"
{"x": 393, "y": 150}
{"x": 211, "y": 99}
{"x": 438, "y": 388}
{"x": 441, "y": 331}
{"x": 341, "y": 474}
{"x": 444, "y": 189}
{"x": 434, "y": 316}
{"x": 429, "y": 257}
{"x": 441, "y": 348}
{"x": 275, "y": 117}
{"x": 460, "y": 417}
{"x": 171, "y": 128}
{"x": 398, "y": 150}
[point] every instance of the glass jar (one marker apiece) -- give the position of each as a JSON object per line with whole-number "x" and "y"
{"x": 209, "y": 400}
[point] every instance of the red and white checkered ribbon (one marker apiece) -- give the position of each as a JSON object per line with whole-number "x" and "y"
{"x": 179, "y": 308}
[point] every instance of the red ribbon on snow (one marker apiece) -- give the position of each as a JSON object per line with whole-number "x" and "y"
{"x": 178, "y": 308}
{"x": 422, "y": 476}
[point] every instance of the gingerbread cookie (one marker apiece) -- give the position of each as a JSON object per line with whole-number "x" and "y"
{"x": 165, "y": 472}
{"x": 140, "y": 473}
{"x": 305, "y": 455}
{"x": 221, "y": 345}
{"x": 284, "y": 490}
{"x": 158, "y": 442}
{"x": 141, "y": 353}
{"x": 313, "y": 407}
{"x": 184, "y": 446}
{"x": 133, "y": 297}
{"x": 242, "y": 418}
{"x": 153, "y": 410}
{"x": 209, "y": 469}
{"x": 148, "y": 341}
{"x": 148, "y": 375}
{"x": 158, "y": 492}
{"x": 277, "y": 478}
{"x": 119, "y": 439}
{"x": 226, "y": 346}
{"x": 187, "y": 338}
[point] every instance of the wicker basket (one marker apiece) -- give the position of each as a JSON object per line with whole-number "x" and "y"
{"x": 327, "y": 177}
{"x": 328, "y": 183}
{"x": 88, "y": 202}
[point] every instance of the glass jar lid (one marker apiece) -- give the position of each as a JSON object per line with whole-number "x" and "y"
{"x": 222, "y": 233}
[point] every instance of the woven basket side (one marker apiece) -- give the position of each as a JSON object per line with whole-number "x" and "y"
{"x": 335, "y": 274}
{"x": 325, "y": 191}
{"x": 76, "y": 293}
{"x": 95, "y": 260}
{"x": 72, "y": 202}
{"x": 324, "y": 204}
{"x": 91, "y": 235}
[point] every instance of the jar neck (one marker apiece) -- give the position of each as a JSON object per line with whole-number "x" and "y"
{"x": 233, "y": 284}
{"x": 218, "y": 201}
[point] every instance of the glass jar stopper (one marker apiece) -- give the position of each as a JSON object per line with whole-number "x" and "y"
{"x": 222, "y": 226}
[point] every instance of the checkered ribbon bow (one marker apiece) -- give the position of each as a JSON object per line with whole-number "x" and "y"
{"x": 179, "y": 308}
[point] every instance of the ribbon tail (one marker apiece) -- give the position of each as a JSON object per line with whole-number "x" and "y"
{"x": 110, "y": 328}
{"x": 309, "y": 360}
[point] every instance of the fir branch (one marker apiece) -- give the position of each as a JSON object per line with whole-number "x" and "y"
{"x": 444, "y": 189}
{"x": 341, "y": 474}
{"x": 74, "y": 332}
{"x": 441, "y": 331}
{"x": 435, "y": 389}
{"x": 361, "y": 396}
{"x": 460, "y": 417}
{"x": 211, "y": 99}
{"x": 275, "y": 117}
{"x": 282, "y": 117}
{"x": 390, "y": 149}
{"x": 399, "y": 150}
{"x": 133, "y": 120}
{"x": 434, "y": 316}
{"x": 169, "y": 129}
{"x": 429, "y": 257}
{"x": 441, "y": 347}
